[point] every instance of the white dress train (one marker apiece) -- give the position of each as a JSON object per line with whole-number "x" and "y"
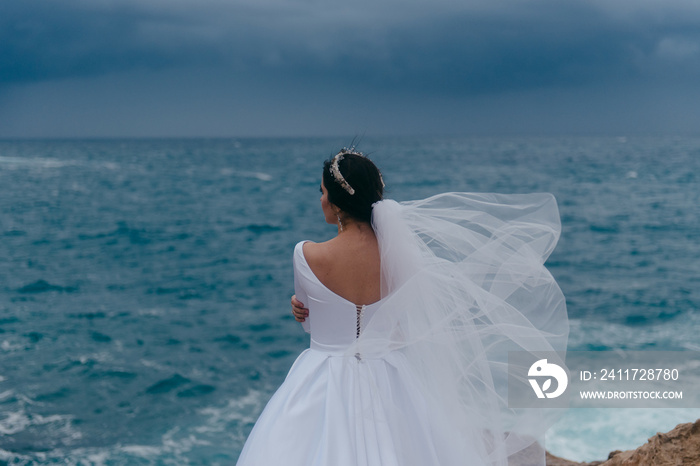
{"x": 420, "y": 377}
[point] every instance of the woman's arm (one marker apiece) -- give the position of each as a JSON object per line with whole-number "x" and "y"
{"x": 301, "y": 313}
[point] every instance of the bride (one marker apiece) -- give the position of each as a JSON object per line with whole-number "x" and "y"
{"x": 412, "y": 309}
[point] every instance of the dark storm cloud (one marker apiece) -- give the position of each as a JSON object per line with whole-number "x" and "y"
{"x": 286, "y": 67}
{"x": 444, "y": 47}
{"x": 43, "y": 40}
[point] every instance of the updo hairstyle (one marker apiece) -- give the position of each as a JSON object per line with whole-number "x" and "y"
{"x": 364, "y": 177}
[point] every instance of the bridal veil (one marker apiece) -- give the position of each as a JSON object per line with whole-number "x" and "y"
{"x": 464, "y": 283}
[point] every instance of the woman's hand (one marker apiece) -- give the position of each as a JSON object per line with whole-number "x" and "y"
{"x": 298, "y": 309}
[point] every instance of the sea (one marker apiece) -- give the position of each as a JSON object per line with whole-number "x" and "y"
{"x": 145, "y": 284}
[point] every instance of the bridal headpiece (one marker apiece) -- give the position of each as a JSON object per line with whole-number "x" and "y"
{"x": 335, "y": 169}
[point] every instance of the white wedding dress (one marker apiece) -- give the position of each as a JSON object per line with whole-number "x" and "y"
{"x": 420, "y": 377}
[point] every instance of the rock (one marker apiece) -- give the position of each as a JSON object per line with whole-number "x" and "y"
{"x": 679, "y": 447}
{"x": 556, "y": 461}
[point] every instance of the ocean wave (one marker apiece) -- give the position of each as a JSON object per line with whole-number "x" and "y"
{"x": 672, "y": 334}
{"x": 141, "y": 260}
{"x": 13, "y": 422}
{"x": 36, "y": 162}
{"x": 262, "y": 176}
{"x": 215, "y": 437}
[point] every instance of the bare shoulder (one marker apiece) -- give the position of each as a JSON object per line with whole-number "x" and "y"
{"x": 346, "y": 266}
{"x": 316, "y": 254}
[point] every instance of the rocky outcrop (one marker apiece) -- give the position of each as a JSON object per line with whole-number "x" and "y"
{"x": 556, "y": 461}
{"x": 679, "y": 447}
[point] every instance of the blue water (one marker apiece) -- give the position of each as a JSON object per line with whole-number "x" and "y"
{"x": 144, "y": 284}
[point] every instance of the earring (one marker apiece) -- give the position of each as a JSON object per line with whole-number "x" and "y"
{"x": 340, "y": 223}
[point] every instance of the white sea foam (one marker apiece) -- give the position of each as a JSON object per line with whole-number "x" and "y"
{"x": 178, "y": 444}
{"x": 262, "y": 176}
{"x": 35, "y": 162}
{"x": 19, "y": 420}
{"x": 9, "y": 456}
{"x": 239, "y": 411}
{"x": 75, "y": 457}
{"x": 153, "y": 364}
{"x": 97, "y": 458}
{"x": 110, "y": 165}
{"x": 13, "y": 423}
{"x": 172, "y": 445}
{"x": 47, "y": 162}
{"x": 9, "y": 347}
{"x": 102, "y": 357}
{"x": 143, "y": 451}
{"x": 152, "y": 312}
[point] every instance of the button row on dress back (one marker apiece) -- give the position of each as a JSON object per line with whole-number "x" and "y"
{"x": 360, "y": 312}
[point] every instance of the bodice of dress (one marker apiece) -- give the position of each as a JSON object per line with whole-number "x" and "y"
{"x": 334, "y": 322}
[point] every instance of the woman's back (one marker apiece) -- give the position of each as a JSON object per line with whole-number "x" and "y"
{"x": 348, "y": 265}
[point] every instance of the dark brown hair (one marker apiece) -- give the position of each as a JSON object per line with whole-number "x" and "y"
{"x": 364, "y": 177}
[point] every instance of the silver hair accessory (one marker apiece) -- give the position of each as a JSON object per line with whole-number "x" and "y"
{"x": 335, "y": 169}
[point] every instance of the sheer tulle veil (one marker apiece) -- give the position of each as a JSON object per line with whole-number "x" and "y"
{"x": 464, "y": 283}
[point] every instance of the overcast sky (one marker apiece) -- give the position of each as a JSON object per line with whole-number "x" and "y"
{"x": 74, "y": 68}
